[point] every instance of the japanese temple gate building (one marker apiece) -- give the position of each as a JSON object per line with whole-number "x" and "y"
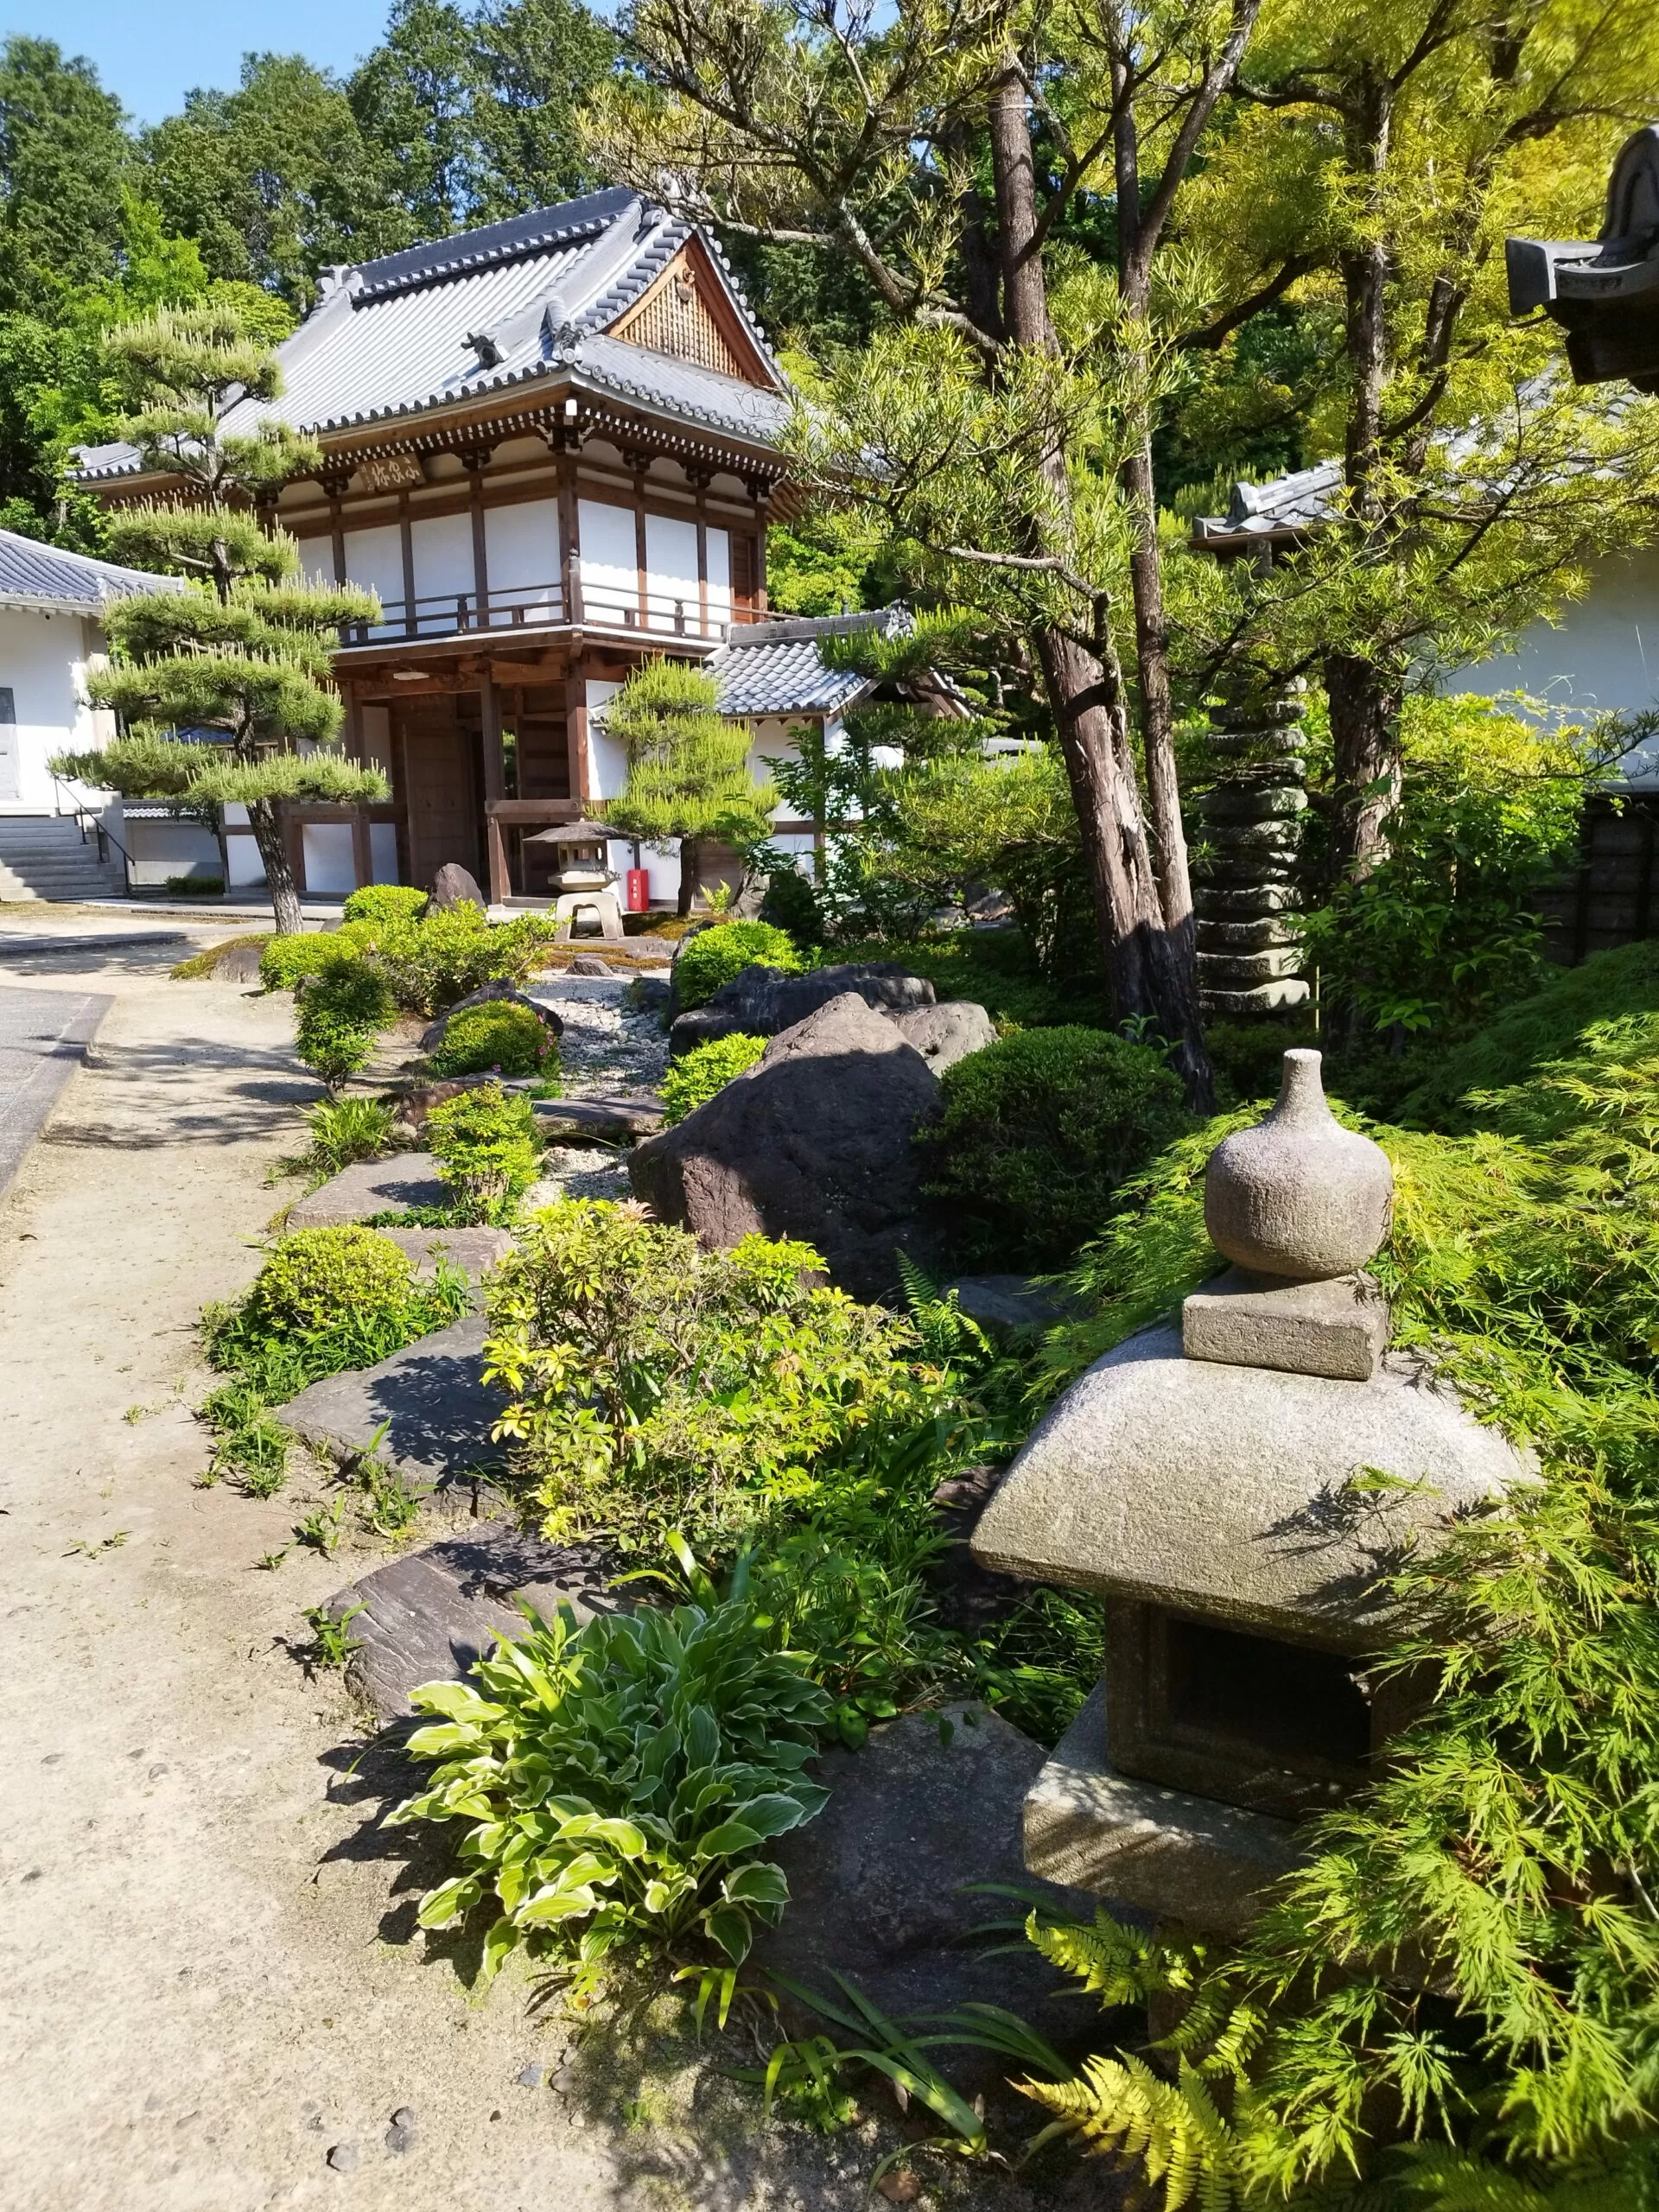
{"x": 551, "y": 448}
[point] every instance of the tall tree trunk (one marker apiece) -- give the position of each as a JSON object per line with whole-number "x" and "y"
{"x": 1364, "y": 700}
{"x": 1364, "y": 694}
{"x": 690, "y": 874}
{"x": 279, "y": 872}
{"x": 1149, "y": 972}
{"x": 1157, "y": 707}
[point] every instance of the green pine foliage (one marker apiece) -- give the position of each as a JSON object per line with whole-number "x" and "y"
{"x": 688, "y": 768}
{"x": 693, "y": 1079}
{"x": 243, "y": 649}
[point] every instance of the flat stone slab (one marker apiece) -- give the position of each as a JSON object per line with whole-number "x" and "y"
{"x": 44, "y": 1039}
{"x": 549, "y": 990}
{"x": 474, "y": 1251}
{"x": 429, "y": 1617}
{"x": 615, "y": 1119}
{"x": 1187, "y": 1860}
{"x": 430, "y": 1397}
{"x": 876, "y": 1881}
{"x": 405, "y": 1180}
{"x": 1004, "y": 1304}
{"x": 1339, "y": 1328}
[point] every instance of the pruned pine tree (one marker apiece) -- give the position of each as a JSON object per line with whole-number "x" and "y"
{"x": 689, "y": 773}
{"x": 999, "y": 426}
{"x": 245, "y": 650}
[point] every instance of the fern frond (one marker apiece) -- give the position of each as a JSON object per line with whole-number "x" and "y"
{"x": 1119, "y": 1964}
{"x": 1121, "y": 2108}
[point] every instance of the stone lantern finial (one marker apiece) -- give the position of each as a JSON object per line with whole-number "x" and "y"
{"x": 1298, "y": 1205}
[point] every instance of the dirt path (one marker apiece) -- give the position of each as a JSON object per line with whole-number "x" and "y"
{"x": 207, "y": 1980}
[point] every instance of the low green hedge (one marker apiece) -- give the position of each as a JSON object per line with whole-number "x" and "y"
{"x": 715, "y": 956}
{"x": 692, "y": 1080}
{"x": 1039, "y": 1131}
{"x": 498, "y": 1035}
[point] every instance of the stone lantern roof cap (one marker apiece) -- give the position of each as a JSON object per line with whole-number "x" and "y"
{"x": 582, "y": 832}
{"x": 1243, "y": 1494}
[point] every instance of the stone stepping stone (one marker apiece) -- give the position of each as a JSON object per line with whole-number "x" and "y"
{"x": 549, "y": 990}
{"x": 430, "y": 1397}
{"x": 474, "y": 1251}
{"x": 876, "y": 1883}
{"x": 405, "y": 1180}
{"x": 617, "y": 1120}
{"x": 429, "y": 1617}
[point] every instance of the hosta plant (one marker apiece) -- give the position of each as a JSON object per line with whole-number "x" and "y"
{"x": 621, "y": 1783}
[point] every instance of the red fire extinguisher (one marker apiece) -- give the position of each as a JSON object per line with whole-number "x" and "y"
{"x": 638, "y": 890}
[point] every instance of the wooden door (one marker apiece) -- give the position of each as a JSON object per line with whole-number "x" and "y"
{"x": 442, "y": 772}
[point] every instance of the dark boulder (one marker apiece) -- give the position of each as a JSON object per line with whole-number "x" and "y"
{"x": 453, "y": 886}
{"x": 762, "y": 1001}
{"x": 815, "y": 1141}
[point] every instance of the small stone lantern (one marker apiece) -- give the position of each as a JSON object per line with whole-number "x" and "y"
{"x": 1239, "y": 1487}
{"x": 584, "y": 882}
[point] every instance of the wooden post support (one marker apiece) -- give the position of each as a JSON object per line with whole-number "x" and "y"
{"x": 575, "y": 734}
{"x": 407, "y": 536}
{"x": 474, "y": 461}
{"x": 569, "y": 555}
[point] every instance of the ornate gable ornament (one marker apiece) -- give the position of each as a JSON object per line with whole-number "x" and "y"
{"x": 1604, "y": 292}
{"x": 685, "y": 314}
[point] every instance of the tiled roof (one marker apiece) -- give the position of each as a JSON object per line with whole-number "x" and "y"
{"x": 776, "y": 668}
{"x": 491, "y": 309}
{"x": 1283, "y": 508}
{"x": 44, "y": 579}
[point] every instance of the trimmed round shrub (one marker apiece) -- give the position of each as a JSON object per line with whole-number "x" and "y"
{"x": 385, "y": 902}
{"x": 487, "y": 1145}
{"x": 694, "y": 1079}
{"x": 318, "y": 1277}
{"x": 339, "y": 1012}
{"x": 791, "y": 904}
{"x": 715, "y": 956}
{"x": 509, "y": 1039}
{"x": 1037, "y": 1132}
{"x": 446, "y": 955}
{"x": 288, "y": 962}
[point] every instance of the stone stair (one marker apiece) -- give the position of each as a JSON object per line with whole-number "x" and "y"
{"x": 42, "y": 857}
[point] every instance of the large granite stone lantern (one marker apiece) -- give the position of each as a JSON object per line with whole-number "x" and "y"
{"x": 1604, "y": 291}
{"x": 1239, "y": 1487}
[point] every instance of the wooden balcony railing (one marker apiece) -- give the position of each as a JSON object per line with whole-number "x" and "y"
{"x": 675, "y": 613}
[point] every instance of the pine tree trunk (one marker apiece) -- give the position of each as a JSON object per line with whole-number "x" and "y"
{"x": 690, "y": 874}
{"x": 1150, "y": 971}
{"x": 279, "y": 873}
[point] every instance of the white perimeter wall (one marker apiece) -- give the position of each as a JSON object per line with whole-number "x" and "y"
{"x": 1602, "y": 655}
{"x": 43, "y": 663}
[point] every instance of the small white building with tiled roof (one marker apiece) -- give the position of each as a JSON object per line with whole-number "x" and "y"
{"x": 51, "y": 609}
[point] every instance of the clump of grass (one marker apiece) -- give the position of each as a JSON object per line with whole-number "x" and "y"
{"x": 204, "y": 963}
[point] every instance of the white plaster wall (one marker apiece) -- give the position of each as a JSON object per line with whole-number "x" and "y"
{"x": 1601, "y": 656}
{"x": 720, "y": 577}
{"x": 672, "y": 594}
{"x": 158, "y": 849}
{"x": 521, "y": 547}
{"x": 317, "y": 559}
{"x": 610, "y": 571}
{"x": 374, "y": 559}
{"x": 43, "y": 663}
{"x": 443, "y": 546}
{"x": 330, "y": 869}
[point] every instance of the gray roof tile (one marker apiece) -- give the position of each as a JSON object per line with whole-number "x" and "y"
{"x": 776, "y": 668}
{"x": 46, "y": 579}
{"x": 398, "y": 336}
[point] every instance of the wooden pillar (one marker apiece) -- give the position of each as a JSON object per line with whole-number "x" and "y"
{"x": 569, "y": 555}
{"x": 495, "y": 784}
{"x": 475, "y": 463}
{"x": 362, "y": 850}
{"x": 641, "y": 556}
{"x": 407, "y": 536}
{"x": 337, "y": 534}
{"x": 576, "y": 731}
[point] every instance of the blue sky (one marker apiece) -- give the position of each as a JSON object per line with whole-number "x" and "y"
{"x": 150, "y": 53}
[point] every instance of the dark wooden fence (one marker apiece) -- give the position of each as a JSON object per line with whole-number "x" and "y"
{"x": 1610, "y": 896}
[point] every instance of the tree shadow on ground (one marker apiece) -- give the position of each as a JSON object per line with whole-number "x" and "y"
{"x": 256, "y": 1090}
{"x": 136, "y": 953}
